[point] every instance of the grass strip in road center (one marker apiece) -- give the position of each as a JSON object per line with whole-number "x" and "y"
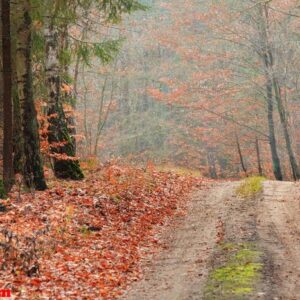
{"x": 236, "y": 276}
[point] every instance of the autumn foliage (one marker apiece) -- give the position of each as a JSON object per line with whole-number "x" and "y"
{"x": 87, "y": 241}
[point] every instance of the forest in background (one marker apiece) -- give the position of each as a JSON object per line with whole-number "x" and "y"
{"x": 212, "y": 87}
{"x": 113, "y": 111}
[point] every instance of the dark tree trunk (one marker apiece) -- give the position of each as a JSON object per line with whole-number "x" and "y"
{"x": 269, "y": 59}
{"x": 259, "y": 166}
{"x": 17, "y": 124}
{"x": 240, "y": 155}
{"x": 17, "y": 132}
{"x": 7, "y": 96}
{"x": 272, "y": 137}
{"x": 267, "y": 63}
{"x": 33, "y": 166}
{"x": 284, "y": 124}
{"x": 1, "y": 113}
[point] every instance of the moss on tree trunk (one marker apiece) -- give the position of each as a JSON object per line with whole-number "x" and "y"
{"x": 59, "y": 133}
{"x": 33, "y": 165}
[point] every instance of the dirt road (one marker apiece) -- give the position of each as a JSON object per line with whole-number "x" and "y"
{"x": 265, "y": 230}
{"x": 278, "y": 222}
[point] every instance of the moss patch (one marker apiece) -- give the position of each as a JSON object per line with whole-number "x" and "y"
{"x": 250, "y": 187}
{"x": 236, "y": 277}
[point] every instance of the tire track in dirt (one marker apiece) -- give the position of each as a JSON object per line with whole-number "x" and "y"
{"x": 180, "y": 272}
{"x": 278, "y": 224}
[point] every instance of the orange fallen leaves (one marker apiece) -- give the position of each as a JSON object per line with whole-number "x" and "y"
{"x": 99, "y": 229}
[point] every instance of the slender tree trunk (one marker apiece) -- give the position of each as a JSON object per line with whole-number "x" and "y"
{"x": 102, "y": 122}
{"x": 259, "y": 166}
{"x": 267, "y": 63}
{"x": 7, "y": 96}
{"x": 100, "y": 115}
{"x": 284, "y": 124}
{"x": 85, "y": 123}
{"x": 240, "y": 155}
{"x": 212, "y": 164}
{"x": 33, "y": 166}
{"x": 64, "y": 167}
{"x": 272, "y": 137}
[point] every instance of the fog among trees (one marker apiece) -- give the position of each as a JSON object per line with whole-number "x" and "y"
{"x": 119, "y": 118}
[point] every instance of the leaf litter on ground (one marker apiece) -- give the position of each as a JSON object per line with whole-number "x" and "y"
{"x": 85, "y": 240}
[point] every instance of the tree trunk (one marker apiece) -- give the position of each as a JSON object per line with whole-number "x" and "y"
{"x": 100, "y": 116}
{"x": 268, "y": 62}
{"x": 67, "y": 97}
{"x": 17, "y": 125}
{"x": 17, "y": 130}
{"x": 1, "y": 111}
{"x": 7, "y": 96}
{"x": 241, "y": 155}
{"x": 85, "y": 118}
{"x": 212, "y": 164}
{"x": 272, "y": 137}
{"x": 259, "y": 166}
{"x": 65, "y": 166}
{"x": 284, "y": 124}
{"x": 33, "y": 166}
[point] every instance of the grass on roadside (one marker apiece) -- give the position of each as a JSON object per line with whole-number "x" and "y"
{"x": 250, "y": 187}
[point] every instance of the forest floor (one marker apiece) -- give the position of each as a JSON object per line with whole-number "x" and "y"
{"x": 86, "y": 239}
{"x": 229, "y": 247}
{"x": 155, "y": 235}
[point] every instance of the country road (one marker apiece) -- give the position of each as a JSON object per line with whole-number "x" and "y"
{"x": 219, "y": 223}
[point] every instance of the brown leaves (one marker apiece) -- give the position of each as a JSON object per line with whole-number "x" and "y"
{"x": 98, "y": 230}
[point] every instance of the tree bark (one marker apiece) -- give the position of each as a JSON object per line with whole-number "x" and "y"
{"x": 287, "y": 137}
{"x": 240, "y": 155}
{"x": 33, "y": 166}
{"x": 272, "y": 137}
{"x": 1, "y": 109}
{"x": 100, "y": 116}
{"x": 17, "y": 130}
{"x": 17, "y": 125}
{"x": 67, "y": 97}
{"x": 64, "y": 167}
{"x": 7, "y": 96}
{"x": 212, "y": 164}
{"x": 267, "y": 63}
{"x": 259, "y": 166}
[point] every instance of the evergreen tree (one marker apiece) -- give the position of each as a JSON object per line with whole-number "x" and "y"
{"x": 32, "y": 161}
